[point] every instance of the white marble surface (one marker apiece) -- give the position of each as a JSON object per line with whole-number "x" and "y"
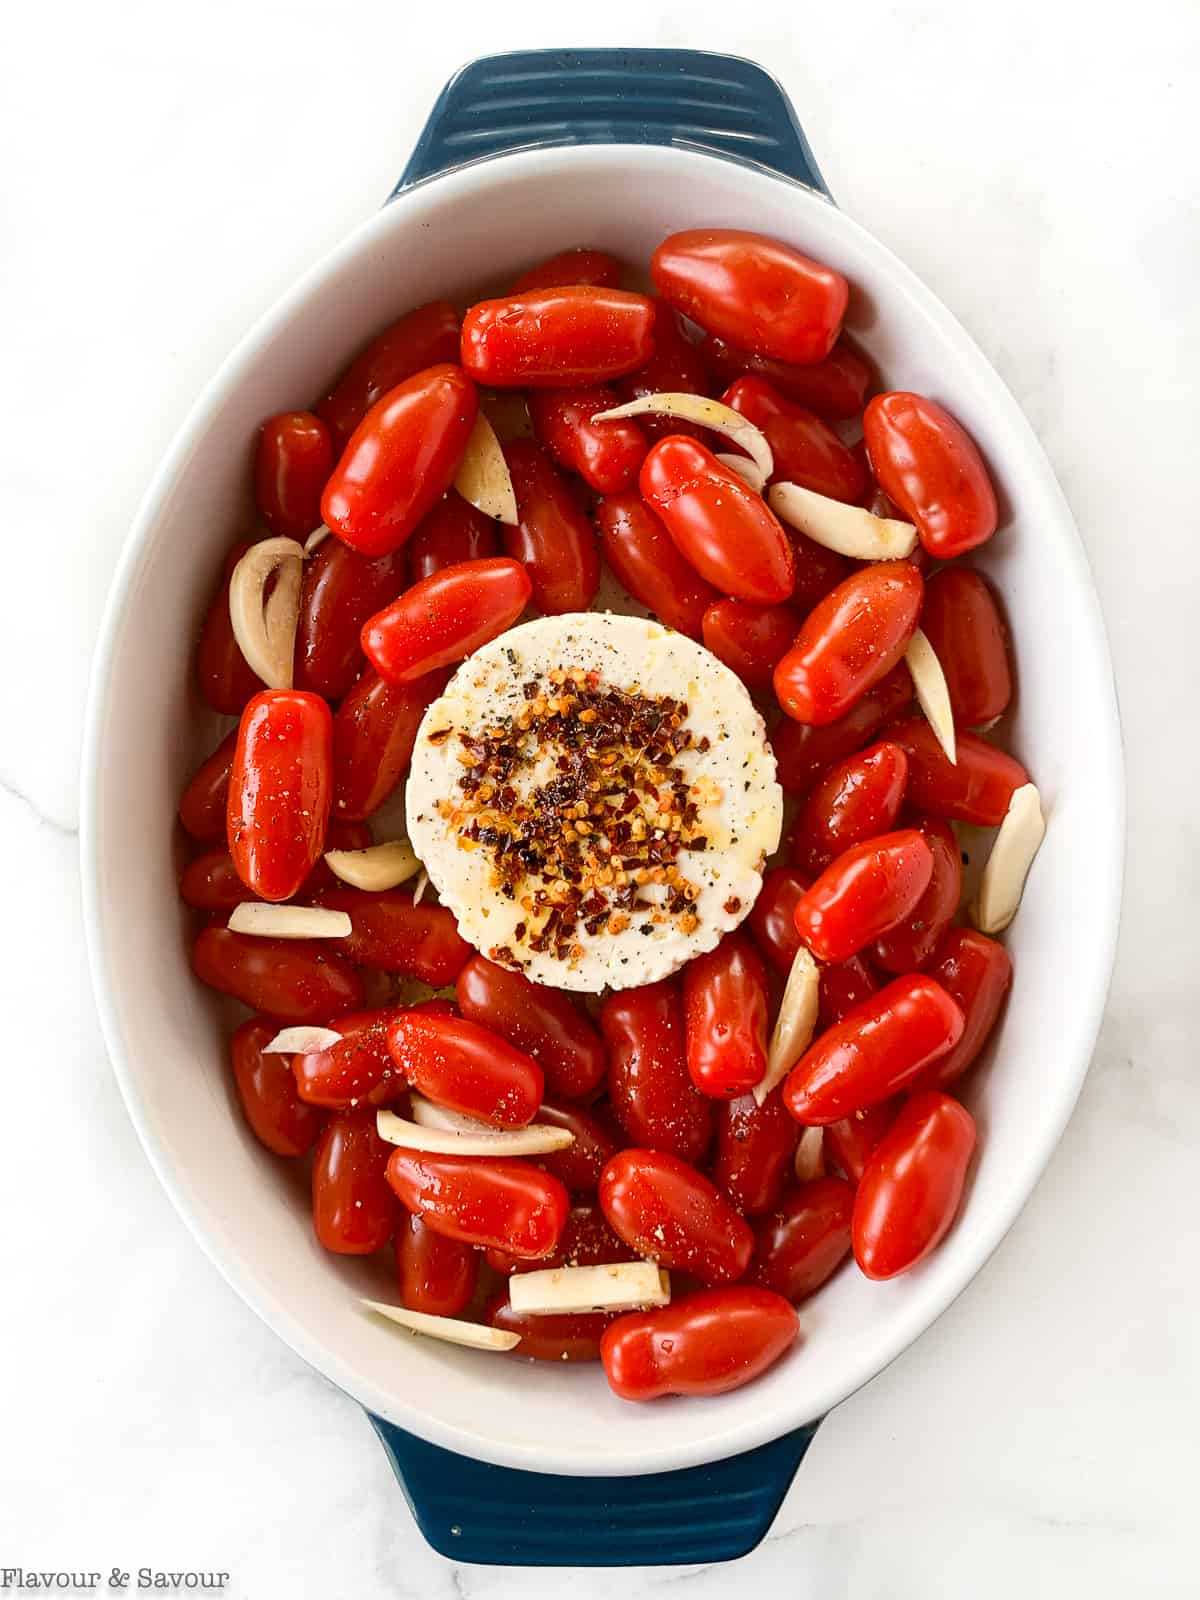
{"x": 166, "y": 173}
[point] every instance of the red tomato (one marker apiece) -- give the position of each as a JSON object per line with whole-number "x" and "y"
{"x": 211, "y": 882}
{"x": 544, "y": 1023}
{"x": 391, "y": 933}
{"x": 291, "y": 466}
{"x": 751, "y": 640}
{"x": 852, "y": 1141}
{"x": 844, "y": 984}
{"x": 358, "y": 1070}
{"x": 876, "y": 1050}
{"x": 557, "y": 337}
{"x": 725, "y": 1004}
{"x": 457, "y": 1063}
{"x": 666, "y": 1211}
{"x": 806, "y": 450}
{"x": 353, "y": 1209}
{"x": 224, "y": 675}
{"x": 756, "y": 1147}
{"x": 453, "y": 531}
{"x": 849, "y": 641}
{"x": 555, "y": 539}
{"x": 445, "y": 618}
{"x": 805, "y": 1240}
{"x": 773, "y": 920}
{"x": 854, "y": 801}
{"x": 606, "y": 455}
{"x": 267, "y": 1091}
{"x": 424, "y": 338}
{"x": 436, "y": 1275}
{"x": 205, "y": 801}
{"x": 374, "y": 732}
{"x": 864, "y": 892}
{"x": 758, "y": 292}
{"x": 571, "y": 267}
{"x": 569, "y": 1336}
{"x": 976, "y": 788}
{"x": 818, "y": 571}
{"x": 340, "y": 590}
{"x": 400, "y": 460}
{"x": 494, "y": 1201}
{"x": 976, "y": 972}
{"x": 928, "y": 465}
{"x": 649, "y": 1088}
{"x": 910, "y": 1192}
{"x": 280, "y": 787}
{"x": 910, "y": 943}
{"x": 674, "y": 368}
{"x": 706, "y": 1343}
{"x": 586, "y": 1241}
{"x": 596, "y": 1142}
{"x": 722, "y": 527}
{"x": 647, "y": 563}
{"x": 962, "y": 621}
{"x": 804, "y": 751}
{"x": 292, "y": 979}
{"x": 834, "y": 388}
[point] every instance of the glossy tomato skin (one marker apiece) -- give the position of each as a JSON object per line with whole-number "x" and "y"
{"x": 818, "y": 571}
{"x": 876, "y": 1050}
{"x": 850, "y": 641}
{"x": 674, "y": 368}
{"x": 205, "y": 801}
{"x": 424, "y": 338}
{"x": 291, "y": 467}
{"x": 596, "y": 1141}
{"x": 773, "y": 919}
{"x": 454, "y": 531}
{"x": 806, "y": 450}
{"x": 225, "y": 677}
{"x": 962, "y": 620}
{"x": 211, "y": 883}
{"x": 354, "y": 1212}
{"x": 554, "y": 539}
{"x": 910, "y": 943}
{"x": 400, "y": 460}
{"x": 457, "y": 1063}
{"x": 586, "y": 1241}
{"x": 649, "y": 565}
{"x": 596, "y": 267}
{"x": 266, "y": 1089}
{"x": 359, "y": 1070}
{"x": 753, "y": 290}
{"x": 542, "y": 1022}
{"x": 374, "y": 732}
{"x": 573, "y": 1336}
{"x": 705, "y": 1343}
{"x": 929, "y": 466}
{"x": 436, "y": 1275}
{"x": 844, "y": 984}
{"x": 444, "y": 618}
{"x": 280, "y": 790}
{"x": 977, "y": 788}
{"x": 863, "y": 892}
{"x": 727, "y": 532}
{"x": 854, "y": 801}
{"x": 756, "y": 1146}
{"x": 494, "y": 1202}
{"x": 835, "y": 388}
{"x": 750, "y": 639}
{"x": 804, "y": 752}
{"x": 910, "y": 1192}
{"x": 850, "y": 1142}
{"x": 557, "y": 337}
{"x": 669, "y": 1213}
{"x": 650, "y": 1090}
{"x": 291, "y": 979}
{"x": 340, "y": 590}
{"x": 391, "y": 933}
{"x": 725, "y": 1001}
{"x": 606, "y": 455}
{"x": 804, "y": 1240}
{"x": 976, "y": 971}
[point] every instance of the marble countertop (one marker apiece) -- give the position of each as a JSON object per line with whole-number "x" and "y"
{"x": 167, "y": 172}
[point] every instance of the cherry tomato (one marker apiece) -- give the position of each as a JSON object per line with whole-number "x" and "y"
{"x": 804, "y": 751}
{"x": 852, "y": 1141}
{"x": 459, "y": 1064}
{"x": 854, "y": 801}
{"x": 557, "y": 337}
{"x": 706, "y": 1343}
{"x": 391, "y": 933}
{"x": 910, "y": 943}
{"x": 292, "y": 979}
{"x": 596, "y": 1142}
{"x": 818, "y": 571}
{"x": 722, "y": 527}
{"x": 876, "y": 1050}
{"x": 864, "y": 892}
{"x": 225, "y": 677}
{"x": 606, "y": 455}
{"x": 929, "y": 466}
{"x": 424, "y": 338}
{"x": 773, "y": 920}
{"x": 910, "y": 1192}
{"x": 806, "y": 450}
{"x": 757, "y": 292}
{"x": 554, "y": 539}
{"x": 751, "y": 640}
{"x": 756, "y": 1146}
{"x": 340, "y": 590}
{"x": 357, "y": 1070}
{"x": 437, "y": 1275}
{"x": 291, "y": 465}
{"x": 205, "y": 801}
{"x": 567, "y": 1336}
{"x": 400, "y": 460}
{"x": 962, "y": 621}
{"x": 494, "y": 1201}
{"x": 649, "y": 1088}
{"x": 804, "y": 1240}
{"x": 267, "y": 1092}
{"x": 374, "y": 732}
{"x": 353, "y": 1209}
{"x": 849, "y": 641}
{"x": 280, "y": 788}
{"x": 674, "y": 368}
{"x": 976, "y": 788}
{"x": 571, "y": 267}
{"x": 725, "y": 1004}
{"x": 586, "y": 1241}
{"x": 834, "y": 388}
{"x": 666, "y": 1211}
{"x": 844, "y": 984}
{"x": 976, "y": 972}
{"x": 453, "y": 531}
{"x": 647, "y": 563}
{"x": 443, "y": 619}
{"x": 211, "y": 882}
{"x": 544, "y": 1023}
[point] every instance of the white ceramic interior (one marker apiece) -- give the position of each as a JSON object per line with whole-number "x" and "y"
{"x": 162, "y": 1029}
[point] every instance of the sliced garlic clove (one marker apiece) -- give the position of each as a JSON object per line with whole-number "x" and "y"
{"x": 428, "y": 1114}
{"x": 288, "y": 922}
{"x": 422, "y": 885}
{"x": 795, "y": 1023}
{"x": 538, "y": 1139}
{"x": 301, "y": 1042}
{"x": 705, "y": 413}
{"x": 483, "y": 477}
{"x": 810, "y": 1155}
{"x": 316, "y": 538}
{"x": 265, "y": 630}
{"x": 929, "y": 686}
{"x": 746, "y": 469}
{"x": 1015, "y": 846}
{"x": 849, "y": 530}
{"x": 563, "y": 1291}
{"x": 475, "y": 1335}
{"x": 380, "y": 866}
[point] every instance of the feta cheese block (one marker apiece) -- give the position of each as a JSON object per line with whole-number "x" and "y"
{"x": 594, "y": 798}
